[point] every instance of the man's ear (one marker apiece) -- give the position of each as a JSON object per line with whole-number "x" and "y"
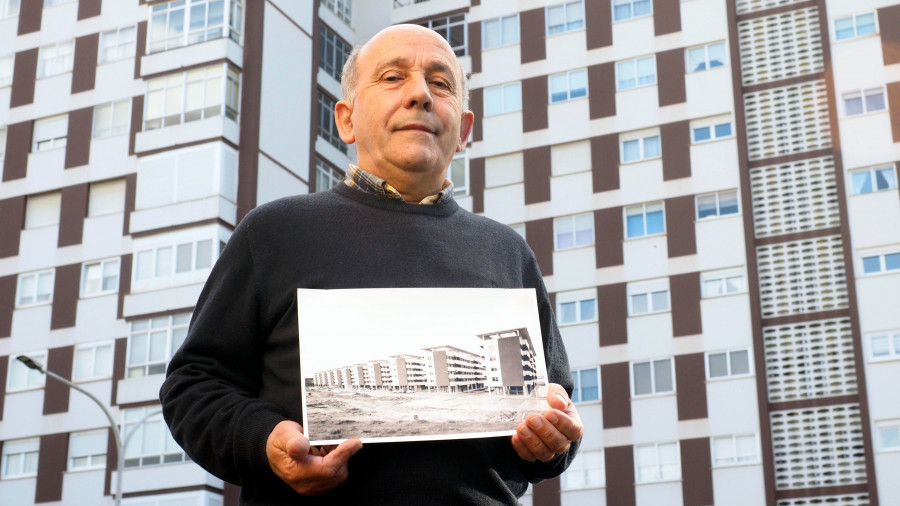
{"x": 343, "y": 118}
{"x": 465, "y": 128}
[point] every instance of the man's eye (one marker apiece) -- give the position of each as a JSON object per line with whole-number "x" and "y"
{"x": 441, "y": 84}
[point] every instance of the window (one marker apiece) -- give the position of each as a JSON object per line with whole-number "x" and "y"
{"x": 565, "y": 17}
{"x": 503, "y": 98}
{"x": 193, "y": 95}
{"x": 100, "y": 277}
{"x": 106, "y": 197}
{"x": 50, "y": 133}
{"x": 35, "y": 288}
{"x": 644, "y": 219}
{"x": 87, "y": 450}
{"x": 642, "y": 148}
{"x": 734, "y": 450}
{"x": 881, "y": 263}
{"x": 111, "y": 119}
{"x": 341, "y": 8}
{"x": 20, "y": 377}
{"x": 500, "y": 31}
{"x": 454, "y": 29}
{"x": 153, "y": 341}
{"x": 50, "y": 3}
{"x": 20, "y": 458}
{"x": 568, "y": 86}
{"x": 327, "y": 127}
{"x": 657, "y": 462}
{"x": 854, "y": 26}
{"x": 648, "y": 299}
{"x": 717, "y": 204}
{"x": 6, "y": 70}
{"x": 574, "y": 231}
{"x": 636, "y": 72}
{"x": 889, "y": 436}
{"x": 718, "y": 283}
{"x": 627, "y": 9}
{"x": 93, "y": 361}
{"x": 705, "y": 57}
{"x": 519, "y": 228}
{"x": 9, "y": 8}
{"x": 458, "y": 173}
{"x": 56, "y": 59}
{"x": 42, "y": 210}
{"x": 885, "y": 345}
{"x": 333, "y": 52}
{"x": 701, "y": 132}
{"x": 587, "y": 470}
{"x": 863, "y": 102}
{"x": 180, "y": 23}
{"x": 727, "y": 363}
{"x": 152, "y": 442}
{"x": 587, "y": 385}
{"x": 326, "y": 176}
{"x": 117, "y": 44}
{"x": 652, "y": 377}
{"x": 577, "y": 311}
{"x": 170, "y": 260}
{"x": 872, "y": 180}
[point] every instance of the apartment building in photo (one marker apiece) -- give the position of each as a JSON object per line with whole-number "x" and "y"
{"x": 510, "y": 362}
{"x": 709, "y": 188}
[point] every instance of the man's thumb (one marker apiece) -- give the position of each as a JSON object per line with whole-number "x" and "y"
{"x": 297, "y": 448}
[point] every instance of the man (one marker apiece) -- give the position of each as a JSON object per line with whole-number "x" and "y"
{"x": 232, "y": 395}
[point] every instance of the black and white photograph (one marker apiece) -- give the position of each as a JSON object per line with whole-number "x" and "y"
{"x": 407, "y": 364}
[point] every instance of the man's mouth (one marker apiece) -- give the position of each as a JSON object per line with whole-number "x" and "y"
{"x": 418, "y": 127}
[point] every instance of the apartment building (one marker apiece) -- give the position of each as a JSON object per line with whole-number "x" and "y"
{"x": 510, "y": 362}
{"x": 709, "y": 187}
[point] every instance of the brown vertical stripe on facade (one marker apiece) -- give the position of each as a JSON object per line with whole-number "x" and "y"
{"x": 612, "y": 303}
{"x": 893, "y": 93}
{"x": 124, "y": 282}
{"x": 476, "y": 106}
{"x": 546, "y": 493}
{"x": 7, "y": 306}
{"x": 140, "y": 49}
{"x": 30, "y": 12}
{"x": 476, "y": 184}
{"x": 78, "y": 137}
{"x": 670, "y": 69}
{"x": 536, "y": 162}
{"x": 616, "y": 395}
{"x": 534, "y": 103}
{"x": 54, "y": 451}
{"x": 72, "y": 211}
{"x": 231, "y": 495}
{"x": 690, "y": 383}
{"x": 685, "y": 291}
{"x": 119, "y": 356}
{"x": 676, "y": 150}
{"x": 314, "y": 102}
{"x": 475, "y": 45}
{"x": 112, "y": 458}
{"x": 65, "y": 296}
{"x": 889, "y": 21}
{"x": 605, "y": 162}
{"x": 602, "y": 90}
{"x": 619, "y": 463}
{"x": 88, "y": 8}
{"x": 130, "y": 195}
{"x": 56, "y": 393}
{"x": 24, "y": 75}
{"x": 680, "y": 233}
{"x": 12, "y": 212}
{"x": 4, "y": 368}
{"x": 251, "y": 89}
{"x": 84, "y": 69}
{"x": 598, "y": 19}
{"x": 696, "y": 472}
{"x": 532, "y": 44}
{"x": 666, "y": 16}
{"x": 18, "y": 145}
{"x": 608, "y": 236}
{"x": 539, "y": 234}
{"x": 137, "y": 120}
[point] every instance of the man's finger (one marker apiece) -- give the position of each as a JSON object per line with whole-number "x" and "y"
{"x": 568, "y": 424}
{"x": 521, "y": 449}
{"x": 297, "y": 448}
{"x": 557, "y": 397}
{"x": 338, "y": 457}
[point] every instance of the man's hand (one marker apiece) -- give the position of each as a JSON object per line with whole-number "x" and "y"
{"x": 309, "y": 471}
{"x": 542, "y": 437}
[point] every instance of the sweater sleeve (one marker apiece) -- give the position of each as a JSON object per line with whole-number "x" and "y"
{"x": 210, "y": 396}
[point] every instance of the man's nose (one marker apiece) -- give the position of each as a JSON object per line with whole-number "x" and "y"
{"x": 418, "y": 93}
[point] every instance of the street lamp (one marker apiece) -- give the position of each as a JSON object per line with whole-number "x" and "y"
{"x": 120, "y": 443}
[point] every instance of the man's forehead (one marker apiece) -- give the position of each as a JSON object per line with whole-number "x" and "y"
{"x": 402, "y": 45}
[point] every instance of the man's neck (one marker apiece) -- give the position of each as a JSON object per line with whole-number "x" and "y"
{"x": 413, "y": 187}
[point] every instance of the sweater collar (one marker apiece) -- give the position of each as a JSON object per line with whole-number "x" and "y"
{"x": 369, "y": 183}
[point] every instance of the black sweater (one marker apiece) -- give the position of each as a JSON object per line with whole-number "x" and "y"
{"x": 237, "y": 374}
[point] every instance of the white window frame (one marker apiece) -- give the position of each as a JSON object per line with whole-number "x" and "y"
{"x": 326, "y": 174}
{"x": 23, "y": 454}
{"x": 153, "y": 432}
{"x": 231, "y": 26}
{"x": 893, "y": 345}
{"x": 55, "y": 59}
{"x": 43, "y": 143}
{"x": 81, "y": 460}
{"x": 100, "y": 355}
{"x": 642, "y": 139}
{"x": 855, "y": 21}
{"x": 862, "y": 95}
{"x": 729, "y": 364}
{"x": 9, "y": 8}
{"x": 51, "y": 3}
{"x": 507, "y": 104}
{"x": 630, "y": 4}
{"x": 500, "y": 21}
{"x": 635, "y": 76}
{"x": 446, "y": 27}
{"x": 157, "y": 268}
{"x": 340, "y": 8}
{"x": 574, "y": 218}
{"x": 102, "y": 264}
{"x": 576, "y": 298}
{"x": 736, "y": 459}
{"x": 654, "y": 392}
{"x": 119, "y": 119}
{"x": 643, "y": 212}
{"x": 708, "y": 64}
{"x": 650, "y": 290}
{"x": 460, "y": 188}
{"x": 888, "y": 426}
{"x": 718, "y": 196}
{"x": 32, "y": 380}
{"x": 882, "y": 259}
{"x": 326, "y": 128}
{"x": 657, "y": 464}
{"x": 173, "y": 331}
{"x": 577, "y": 23}
{"x": 582, "y": 474}
{"x": 176, "y": 85}
{"x": 578, "y": 393}
{"x": 6, "y": 70}
{"x": 873, "y": 173}
{"x": 712, "y": 124}
{"x": 569, "y": 91}
{"x": 117, "y": 44}
{"x": 333, "y": 52}
{"x": 37, "y": 297}
{"x": 724, "y": 280}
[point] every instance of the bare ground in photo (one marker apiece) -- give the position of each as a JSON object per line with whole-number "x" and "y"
{"x": 343, "y": 414}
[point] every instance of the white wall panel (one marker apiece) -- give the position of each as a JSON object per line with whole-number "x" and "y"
{"x": 739, "y": 486}
{"x": 273, "y": 182}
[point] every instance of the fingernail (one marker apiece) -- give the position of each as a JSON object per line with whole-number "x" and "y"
{"x": 552, "y": 418}
{"x": 536, "y": 422}
{"x": 563, "y": 399}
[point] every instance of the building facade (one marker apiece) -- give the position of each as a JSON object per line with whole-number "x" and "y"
{"x": 709, "y": 187}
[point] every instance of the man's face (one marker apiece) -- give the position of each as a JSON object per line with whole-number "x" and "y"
{"x": 407, "y": 119}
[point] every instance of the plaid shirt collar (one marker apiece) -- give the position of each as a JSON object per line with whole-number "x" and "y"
{"x": 370, "y": 183}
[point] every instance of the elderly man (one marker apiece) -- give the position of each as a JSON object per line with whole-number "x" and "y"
{"x": 232, "y": 394}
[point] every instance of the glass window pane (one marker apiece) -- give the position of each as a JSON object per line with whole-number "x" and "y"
{"x": 862, "y": 182}
{"x": 640, "y": 304}
{"x": 184, "y": 257}
{"x": 843, "y": 28}
{"x": 83, "y": 359}
{"x": 702, "y": 134}
{"x": 556, "y": 18}
{"x": 880, "y": 346}
{"x": 512, "y": 97}
{"x": 578, "y": 84}
{"x": 871, "y": 264}
{"x": 559, "y": 88}
{"x": 646, "y": 68}
{"x": 740, "y": 362}
{"x": 723, "y": 130}
{"x": 651, "y": 147}
{"x": 706, "y": 206}
{"x": 567, "y": 312}
{"x": 712, "y": 287}
{"x": 621, "y": 9}
{"x": 493, "y": 101}
{"x": 662, "y": 375}
{"x": 510, "y": 29}
{"x": 642, "y": 7}
{"x": 660, "y": 301}
{"x": 853, "y": 105}
{"x": 716, "y": 54}
{"x": 728, "y": 203}
{"x": 655, "y": 224}
{"x": 875, "y": 101}
{"x": 696, "y": 59}
{"x": 626, "y": 74}
{"x": 588, "y": 309}
{"x": 204, "y": 254}
{"x": 589, "y": 385}
{"x": 733, "y": 284}
{"x": 718, "y": 365}
{"x": 724, "y": 450}
{"x": 163, "y": 261}
{"x": 642, "y": 384}
{"x": 631, "y": 150}
{"x": 885, "y": 178}
{"x": 865, "y": 24}
{"x": 103, "y": 361}
{"x": 491, "y": 33}
{"x": 892, "y": 262}
{"x": 157, "y": 346}
{"x": 137, "y": 349}
{"x": 889, "y": 436}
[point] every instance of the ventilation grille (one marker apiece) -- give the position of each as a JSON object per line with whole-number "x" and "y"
{"x": 834, "y": 500}
{"x": 794, "y": 197}
{"x": 809, "y": 360}
{"x": 781, "y": 46}
{"x": 787, "y": 120}
{"x": 818, "y": 447}
{"x": 801, "y": 276}
{"x": 745, "y": 6}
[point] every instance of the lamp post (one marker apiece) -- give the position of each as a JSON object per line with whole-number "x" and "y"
{"x": 120, "y": 442}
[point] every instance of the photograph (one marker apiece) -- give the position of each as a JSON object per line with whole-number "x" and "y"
{"x": 405, "y": 364}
